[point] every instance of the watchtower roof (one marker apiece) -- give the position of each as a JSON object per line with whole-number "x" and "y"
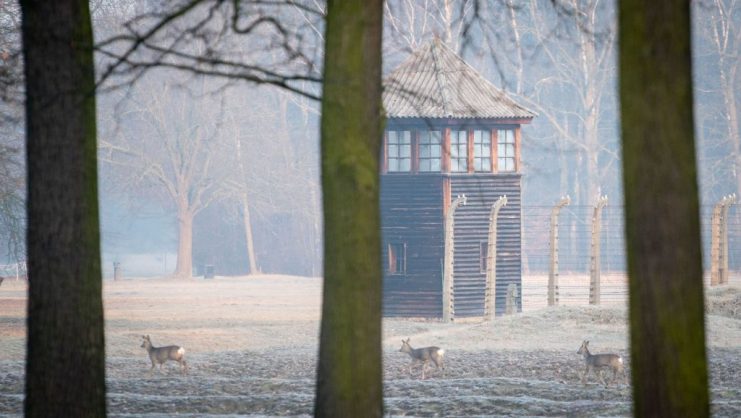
{"x": 434, "y": 82}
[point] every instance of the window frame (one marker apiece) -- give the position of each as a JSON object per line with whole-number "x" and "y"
{"x": 481, "y": 155}
{"x": 422, "y": 160}
{"x": 396, "y": 259}
{"x": 459, "y": 142}
{"x": 399, "y": 145}
{"x": 506, "y": 142}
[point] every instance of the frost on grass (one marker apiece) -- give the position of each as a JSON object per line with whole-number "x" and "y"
{"x": 252, "y": 346}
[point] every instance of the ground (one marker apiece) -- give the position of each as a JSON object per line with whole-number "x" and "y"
{"x": 251, "y": 344}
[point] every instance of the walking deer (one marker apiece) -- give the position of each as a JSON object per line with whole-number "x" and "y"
{"x": 599, "y": 362}
{"x": 160, "y": 355}
{"x": 424, "y": 355}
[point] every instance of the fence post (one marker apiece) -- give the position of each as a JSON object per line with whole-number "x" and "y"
{"x": 715, "y": 243}
{"x": 448, "y": 309}
{"x": 594, "y": 270}
{"x": 719, "y": 241}
{"x": 553, "y": 270}
{"x": 490, "y": 297}
{"x": 723, "y": 270}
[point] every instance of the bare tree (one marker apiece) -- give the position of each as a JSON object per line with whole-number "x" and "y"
{"x": 12, "y": 176}
{"x": 284, "y": 35}
{"x": 719, "y": 29}
{"x": 170, "y": 145}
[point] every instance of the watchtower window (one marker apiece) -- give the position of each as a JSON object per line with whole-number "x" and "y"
{"x": 399, "y": 149}
{"x": 459, "y": 151}
{"x": 397, "y": 258}
{"x": 483, "y": 254}
{"x": 481, "y": 150}
{"x": 506, "y": 150}
{"x": 430, "y": 147}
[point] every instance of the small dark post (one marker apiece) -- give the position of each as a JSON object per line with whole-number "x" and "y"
{"x": 117, "y": 273}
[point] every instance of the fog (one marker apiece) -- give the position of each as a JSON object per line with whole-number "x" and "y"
{"x": 209, "y": 175}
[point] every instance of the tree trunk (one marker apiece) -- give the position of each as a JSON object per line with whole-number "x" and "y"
{"x": 65, "y": 362}
{"x": 662, "y": 210}
{"x": 184, "y": 266}
{"x": 248, "y": 235}
{"x": 349, "y": 379}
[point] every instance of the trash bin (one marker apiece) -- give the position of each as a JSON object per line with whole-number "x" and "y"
{"x": 208, "y": 271}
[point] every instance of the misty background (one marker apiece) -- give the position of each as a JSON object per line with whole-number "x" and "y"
{"x": 239, "y": 159}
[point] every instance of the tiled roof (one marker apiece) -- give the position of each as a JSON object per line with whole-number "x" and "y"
{"x": 434, "y": 82}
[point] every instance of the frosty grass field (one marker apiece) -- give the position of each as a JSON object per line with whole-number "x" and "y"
{"x": 251, "y": 344}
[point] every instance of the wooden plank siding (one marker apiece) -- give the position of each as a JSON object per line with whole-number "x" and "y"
{"x": 411, "y": 214}
{"x": 471, "y": 230}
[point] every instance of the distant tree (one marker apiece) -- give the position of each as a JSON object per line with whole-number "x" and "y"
{"x": 12, "y": 173}
{"x": 667, "y": 333}
{"x": 349, "y": 376}
{"x": 65, "y": 362}
{"x": 170, "y": 145}
{"x": 718, "y": 24}
{"x": 254, "y": 41}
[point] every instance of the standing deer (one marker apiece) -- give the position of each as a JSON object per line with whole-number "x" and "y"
{"x": 597, "y": 362}
{"x": 423, "y": 355}
{"x": 160, "y": 355}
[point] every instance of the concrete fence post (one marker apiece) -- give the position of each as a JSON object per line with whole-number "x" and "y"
{"x": 719, "y": 241}
{"x": 490, "y": 301}
{"x": 731, "y": 199}
{"x": 448, "y": 308}
{"x": 715, "y": 243}
{"x": 594, "y": 270}
{"x": 553, "y": 270}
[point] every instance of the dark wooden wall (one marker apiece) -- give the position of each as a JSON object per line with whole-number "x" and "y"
{"x": 411, "y": 212}
{"x": 472, "y": 228}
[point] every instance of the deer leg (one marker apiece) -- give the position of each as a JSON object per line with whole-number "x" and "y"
{"x": 584, "y": 375}
{"x": 601, "y": 376}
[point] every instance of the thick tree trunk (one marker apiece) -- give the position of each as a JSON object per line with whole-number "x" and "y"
{"x": 662, "y": 211}
{"x": 349, "y": 380}
{"x": 65, "y": 362}
{"x": 184, "y": 266}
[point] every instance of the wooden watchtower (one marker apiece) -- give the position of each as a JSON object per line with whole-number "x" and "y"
{"x": 449, "y": 132}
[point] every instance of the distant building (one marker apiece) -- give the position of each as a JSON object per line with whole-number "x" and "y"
{"x": 449, "y": 132}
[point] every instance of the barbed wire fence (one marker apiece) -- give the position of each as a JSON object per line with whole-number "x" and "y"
{"x": 13, "y": 271}
{"x": 575, "y": 259}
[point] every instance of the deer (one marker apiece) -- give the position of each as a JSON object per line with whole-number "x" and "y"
{"x": 597, "y": 362}
{"x": 160, "y": 355}
{"x": 423, "y": 355}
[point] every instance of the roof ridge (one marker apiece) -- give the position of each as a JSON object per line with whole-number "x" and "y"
{"x": 438, "y": 76}
{"x": 436, "y": 82}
